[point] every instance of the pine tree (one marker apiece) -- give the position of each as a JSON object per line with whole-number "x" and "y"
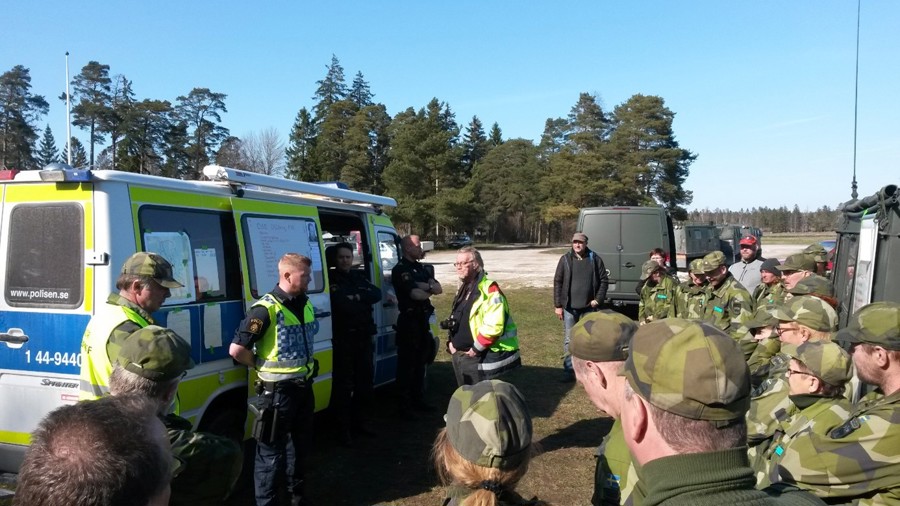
{"x": 332, "y": 88}
{"x": 115, "y": 123}
{"x": 91, "y": 92}
{"x": 475, "y": 146}
{"x": 47, "y": 153}
{"x": 19, "y": 111}
{"x": 360, "y": 93}
{"x": 496, "y": 136}
{"x": 201, "y": 110}
{"x": 301, "y": 142}
{"x": 79, "y": 156}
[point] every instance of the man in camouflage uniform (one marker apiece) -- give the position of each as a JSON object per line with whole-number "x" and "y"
{"x": 800, "y": 319}
{"x": 143, "y": 285}
{"x": 762, "y": 327}
{"x": 657, "y": 295}
{"x": 690, "y": 298}
{"x": 816, "y": 286}
{"x": 858, "y": 460}
{"x": 686, "y": 396}
{"x": 599, "y": 346}
{"x": 820, "y": 255}
{"x": 728, "y": 304}
{"x": 817, "y": 374}
{"x": 770, "y": 290}
{"x": 150, "y": 364}
{"x": 795, "y": 268}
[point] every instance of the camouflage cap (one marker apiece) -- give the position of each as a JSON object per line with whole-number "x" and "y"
{"x": 156, "y": 353}
{"x": 809, "y": 311}
{"x": 813, "y": 285}
{"x": 713, "y": 261}
{"x": 877, "y": 323}
{"x": 798, "y": 262}
{"x": 602, "y": 336}
{"x": 817, "y": 251}
{"x": 689, "y": 368}
{"x": 649, "y": 267}
{"x": 151, "y": 264}
{"x": 826, "y": 360}
{"x": 771, "y": 265}
{"x": 489, "y": 425}
{"x": 696, "y": 266}
{"x": 762, "y": 317}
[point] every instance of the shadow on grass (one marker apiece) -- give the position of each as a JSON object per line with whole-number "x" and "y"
{"x": 581, "y": 434}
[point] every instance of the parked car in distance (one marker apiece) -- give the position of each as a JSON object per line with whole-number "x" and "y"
{"x": 458, "y": 241}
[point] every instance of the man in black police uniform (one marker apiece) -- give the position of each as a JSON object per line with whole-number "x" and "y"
{"x": 414, "y": 285}
{"x": 352, "y": 297}
{"x": 276, "y": 339}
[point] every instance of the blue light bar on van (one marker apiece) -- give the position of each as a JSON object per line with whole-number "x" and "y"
{"x": 65, "y": 175}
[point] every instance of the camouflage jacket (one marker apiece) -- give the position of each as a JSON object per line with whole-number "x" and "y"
{"x": 766, "y": 361}
{"x": 616, "y": 474}
{"x": 769, "y": 405}
{"x": 817, "y": 415}
{"x": 658, "y": 301}
{"x": 765, "y": 295}
{"x": 728, "y": 307}
{"x": 208, "y": 465}
{"x": 690, "y": 301}
{"x": 859, "y": 458}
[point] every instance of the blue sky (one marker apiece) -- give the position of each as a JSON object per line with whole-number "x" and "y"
{"x": 762, "y": 91}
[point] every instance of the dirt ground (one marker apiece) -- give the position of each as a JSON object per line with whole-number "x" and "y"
{"x": 534, "y": 267}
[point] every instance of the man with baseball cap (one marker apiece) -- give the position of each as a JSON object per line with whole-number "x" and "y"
{"x": 858, "y": 460}
{"x": 728, "y": 303}
{"x": 820, "y": 255}
{"x": 150, "y": 364}
{"x": 770, "y": 290}
{"x": 795, "y": 268}
{"x": 579, "y": 287}
{"x": 686, "y": 394}
{"x": 657, "y": 294}
{"x": 600, "y": 344}
{"x": 143, "y": 285}
{"x": 746, "y": 272}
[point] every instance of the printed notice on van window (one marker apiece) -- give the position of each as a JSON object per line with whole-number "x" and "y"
{"x": 271, "y": 238}
{"x": 207, "y": 270}
{"x": 176, "y": 248}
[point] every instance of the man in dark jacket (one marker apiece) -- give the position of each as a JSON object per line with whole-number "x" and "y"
{"x": 579, "y": 287}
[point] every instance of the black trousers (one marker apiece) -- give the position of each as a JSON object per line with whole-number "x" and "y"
{"x": 412, "y": 356}
{"x": 353, "y": 373}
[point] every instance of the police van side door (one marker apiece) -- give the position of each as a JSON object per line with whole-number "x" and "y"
{"x": 266, "y": 231}
{"x": 387, "y": 254}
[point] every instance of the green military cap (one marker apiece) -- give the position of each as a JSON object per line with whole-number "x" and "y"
{"x": 771, "y": 265}
{"x": 151, "y": 264}
{"x": 877, "y": 323}
{"x": 826, "y": 360}
{"x": 602, "y": 336}
{"x": 807, "y": 310}
{"x": 813, "y": 285}
{"x": 690, "y": 369}
{"x": 762, "y": 317}
{"x": 156, "y": 353}
{"x": 696, "y": 266}
{"x": 489, "y": 425}
{"x": 649, "y": 267}
{"x": 817, "y": 251}
{"x": 713, "y": 261}
{"x": 798, "y": 262}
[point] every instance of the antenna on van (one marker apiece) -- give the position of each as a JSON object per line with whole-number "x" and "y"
{"x": 303, "y": 189}
{"x": 853, "y": 193}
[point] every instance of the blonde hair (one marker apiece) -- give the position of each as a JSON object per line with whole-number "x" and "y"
{"x": 453, "y": 468}
{"x": 294, "y": 260}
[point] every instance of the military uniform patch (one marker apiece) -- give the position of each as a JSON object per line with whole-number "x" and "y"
{"x": 846, "y": 429}
{"x": 254, "y": 326}
{"x": 406, "y": 276}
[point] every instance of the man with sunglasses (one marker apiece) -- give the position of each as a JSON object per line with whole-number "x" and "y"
{"x": 579, "y": 287}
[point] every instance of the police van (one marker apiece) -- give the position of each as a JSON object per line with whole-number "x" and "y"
{"x": 66, "y": 233}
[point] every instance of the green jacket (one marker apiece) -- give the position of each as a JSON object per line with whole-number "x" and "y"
{"x": 765, "y": 295}
{"x": 616, "y": 473}
{"x": 729, "y": 307}
{"x": 690, "y": 301}
{"x": 857, "y": 459}
{"x": 657, "y": 301}
{"x": 719, "y": 478}
{"x": 208, "y": 465}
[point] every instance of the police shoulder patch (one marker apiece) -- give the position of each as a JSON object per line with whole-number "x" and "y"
{"x": 254, "y": 326}
{"x": 406, "y": 276}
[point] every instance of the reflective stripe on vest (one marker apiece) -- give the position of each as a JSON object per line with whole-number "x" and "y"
{"x": 508, "y": 340}
{"x": 286, "y": 348}
{"x": 95, "y": 364}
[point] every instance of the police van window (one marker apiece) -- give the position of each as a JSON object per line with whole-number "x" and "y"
{"x": 388, "y": 252}
{"x": 203, "y": 242}
{"x": 268, "y": 238}
{"x": 37, "y": 275}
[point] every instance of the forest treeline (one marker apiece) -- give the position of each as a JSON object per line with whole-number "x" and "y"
{"x": 446, "y": 177}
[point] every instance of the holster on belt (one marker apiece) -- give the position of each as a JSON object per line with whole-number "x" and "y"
{"x": 265, "y": 412}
